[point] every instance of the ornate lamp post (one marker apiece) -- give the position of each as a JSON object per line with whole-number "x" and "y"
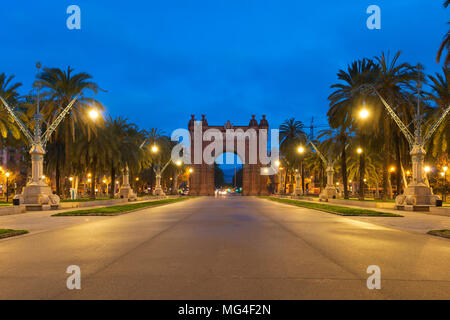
{"x": 37, "y": 194}
{"x": 125, "y": 189}
{"x": 417, "y": 195}
{"x": 298, "y": 188}
{"x": 330, "y": 190}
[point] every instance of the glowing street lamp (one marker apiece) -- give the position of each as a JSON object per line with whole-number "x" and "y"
{"x": 191, "y": 170}
{"x": 392, "y": 169}
{"x": 427, "y": 169}
{"x": 364, "y": 113}
{"x": 178, "y": 163}
{"x": 359, "y": 150}
{"x": 94, "y": 114}
{"x": 300, "y": 149}
{"x": 155, "y": 148}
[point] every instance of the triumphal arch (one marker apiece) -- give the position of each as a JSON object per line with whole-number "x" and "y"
{"x": 246, "y": 146}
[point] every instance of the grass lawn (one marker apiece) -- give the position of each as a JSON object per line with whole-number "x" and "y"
{"x": 343, "y": 211}
{"x": 441, "y": 233}
{"x": 5, "y": 233}
{"x": 119, "y": 209}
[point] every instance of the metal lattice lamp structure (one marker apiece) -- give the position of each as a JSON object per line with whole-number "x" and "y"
{"x": 37, "y": 194}
{"x": 417, "y": 195}
{"x": 330, "y": 191}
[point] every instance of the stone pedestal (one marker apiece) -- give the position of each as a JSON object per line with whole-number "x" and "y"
{"x": 418, "y": 195}
{"x": 298, "y": 189}
{"x": 158, "y": 190}
{"x": 125, "y": 191}
{"x": 330, "y": 191}
{"x": 37, "y": 195}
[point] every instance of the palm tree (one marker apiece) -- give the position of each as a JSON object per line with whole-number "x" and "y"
{"x": 369, "y": 170}
{"x": 60, "y": 87}
{"x": 125, "y": 139}
{"x": 8, "y": 91}
{"x": 95, "y": 153}
{"x": 346, "y": 99}
{"x": 445, "y": 44}
{"x": 393, "y": 82}
{"x": 335, "y": 144}
{"x": 291, "y": 135}
{"x": 345, "y": 102}
{"x": 440, "y": 95}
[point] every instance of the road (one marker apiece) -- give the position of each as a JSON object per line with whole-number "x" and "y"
{"x": 225, "y": 248}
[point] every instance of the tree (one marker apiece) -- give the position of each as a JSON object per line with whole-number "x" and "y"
{"x": 60, "y": 87}
{"x": 8, "y": 91}
{"x": 394, "y": 83}
{"x": 440, "y": 95}
{"x": 445, "y": 44}
{"x": 125, "y": 139}
{"x": 95, "y": 153}
{"x": 292, "y": 135}
{"x": 335, "y": 145}
{"x": 345, "y": 102}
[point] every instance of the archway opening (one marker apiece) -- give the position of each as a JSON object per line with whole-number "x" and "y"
{"x": 228, "y": 174}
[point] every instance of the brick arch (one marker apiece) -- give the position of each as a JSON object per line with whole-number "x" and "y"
{"x": 202, "y": 178}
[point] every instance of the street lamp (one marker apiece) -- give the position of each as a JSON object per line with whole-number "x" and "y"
{"x": 418, "y": 193}
{"x": 154, "y": 148}
{"x": 299, "y": 191}
{"x": 364, "y": 113}
{"x": 37, "y": 192}
{"x": 93, "y": 114}
{"x": 359, "y": 150}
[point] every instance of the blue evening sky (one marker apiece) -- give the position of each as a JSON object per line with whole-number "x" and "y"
{"x": 161, "y": 61}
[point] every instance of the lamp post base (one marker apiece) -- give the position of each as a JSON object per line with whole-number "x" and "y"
{"x": 158, "y": 192}
{"x": 418, "y": 197}
{"x": 38, "y": 197}
{"x": 297, "y": 192}
{"x": 126, "y": 192}
{"x": 328, "y": 193}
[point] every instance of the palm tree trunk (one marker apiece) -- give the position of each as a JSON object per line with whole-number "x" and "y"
{"x": 362, "y": 169}
{"x": 113, "y": 181}
{"x": 303, "y": 177}
{"x": 67, "y": 166}
{"x": 58, "y": 180}
{"x": 94, "y": 177}
{"x": 399, "y": 173}
{"x": 285, "y": 180}
{"x": 386, "y": 150}
{"x": 344, "y": 171}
